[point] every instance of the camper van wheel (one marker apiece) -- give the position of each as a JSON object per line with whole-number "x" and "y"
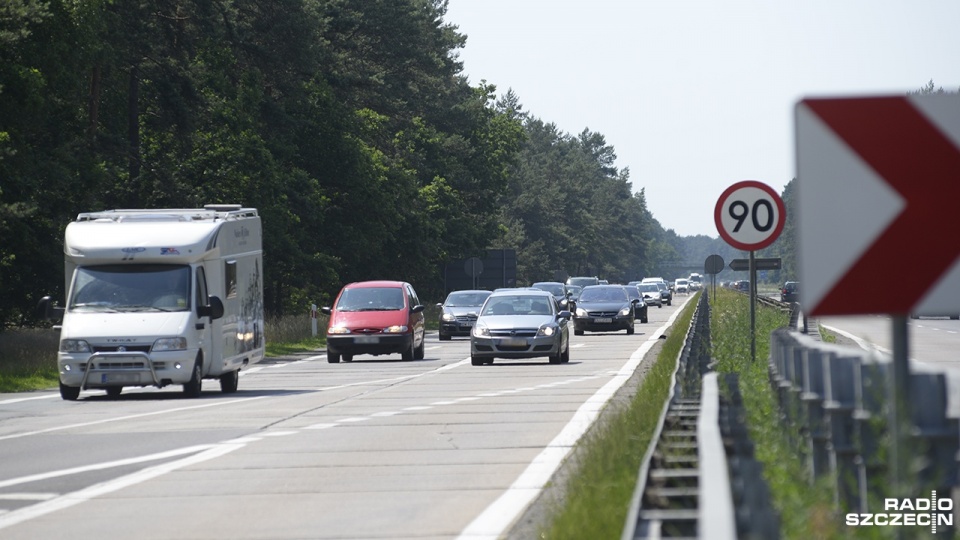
{"x": 113, "y": 392}
{"x": 230, "y": 381}
{"x": 192, "y": 388}
{"x": 69, "y": 393}
{"x": 333, "y": 358}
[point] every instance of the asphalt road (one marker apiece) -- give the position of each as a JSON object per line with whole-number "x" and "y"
{"x": 932, "y": 344}
{"x": 376, "y": 448}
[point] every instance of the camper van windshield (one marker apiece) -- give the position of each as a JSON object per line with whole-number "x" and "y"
{"x": 131, "y": 287}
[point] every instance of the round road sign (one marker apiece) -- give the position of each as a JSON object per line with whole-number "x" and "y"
{"x": 749, "y": 215}
{"x": 713, "y": 265}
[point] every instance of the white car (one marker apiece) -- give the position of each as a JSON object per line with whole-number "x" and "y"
{"x": 681, "y": 286}
{"x": 651, "y": 294}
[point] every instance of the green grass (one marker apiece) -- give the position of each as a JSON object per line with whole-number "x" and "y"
{"x": 597, "y": 497}
{"x": 28, "y": 359}
{"x": 806, "y": 509}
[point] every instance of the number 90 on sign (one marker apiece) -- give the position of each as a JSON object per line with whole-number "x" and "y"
{"x": 749, "y": 215}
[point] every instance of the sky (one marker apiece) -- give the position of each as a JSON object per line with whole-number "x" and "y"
{"x": 695, "y": 96}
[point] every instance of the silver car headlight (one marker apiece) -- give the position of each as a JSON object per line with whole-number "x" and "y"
{"x": 626, "y": 311}
{"x": 481, "y": 330}
{"x": 547, "y": 330}
{"x": 169, "y": 344}
{"x": 581, "y": 312}
{"x": 74, "y": 346}
{"x": 448, "y": 317}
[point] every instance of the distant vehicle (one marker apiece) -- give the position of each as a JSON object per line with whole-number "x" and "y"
{"x": 160, "y": 297}
{"x": 651, "y": 294}
{"x": 639, "y": 307}
{"x": 522, "y": 323}
{"x": 459, "y": 312}
{"x": 696, "y": 281}
{"x": 375, "y": 317}
{"x": 559, "y": 292}
{"x": 604, "y": 308}
{"x": 790, "y": 292}
{"x": 743, "y": 285}
{"x": 666, "y": 295}
{"x": 574, "y": 292}
{"x": 681, "y": 286}
{"x": 583, "y": 281}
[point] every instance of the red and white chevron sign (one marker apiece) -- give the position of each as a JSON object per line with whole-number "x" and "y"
{"x": 878, "y": 181}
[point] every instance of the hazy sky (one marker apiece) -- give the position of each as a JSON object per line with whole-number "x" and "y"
{"x": 697, "y": 95}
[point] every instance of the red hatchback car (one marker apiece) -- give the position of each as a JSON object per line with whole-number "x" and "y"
{"x": 375, "y": 317}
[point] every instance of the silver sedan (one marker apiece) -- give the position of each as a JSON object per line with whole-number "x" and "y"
{"x": 520, "y": 323}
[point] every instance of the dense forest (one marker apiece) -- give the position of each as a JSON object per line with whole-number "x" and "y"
{"x": 348, "y": 124}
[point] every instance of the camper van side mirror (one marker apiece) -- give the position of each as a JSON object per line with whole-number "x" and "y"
{"x": 47, "y": 309}
{"x": 214, "y": 309}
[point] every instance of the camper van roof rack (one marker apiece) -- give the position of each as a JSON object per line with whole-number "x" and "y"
{"x": 220, "y": 211}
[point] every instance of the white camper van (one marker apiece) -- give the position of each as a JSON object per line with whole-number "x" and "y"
{"x": 160, "y": 297}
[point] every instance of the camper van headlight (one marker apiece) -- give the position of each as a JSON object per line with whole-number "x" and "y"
{"x": 74, "y": 346}
{"x": 170, "y": 344}
{"x": 395, "y": 329}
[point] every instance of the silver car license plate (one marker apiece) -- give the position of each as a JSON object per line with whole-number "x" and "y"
{"x": 603, "y": 320}
{"x": 513, "y": 342}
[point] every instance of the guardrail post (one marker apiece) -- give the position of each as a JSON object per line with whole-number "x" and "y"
{"x": 818, "y": 458}
{"x": 839, "y": 403}
{"x": 871, "y": 424}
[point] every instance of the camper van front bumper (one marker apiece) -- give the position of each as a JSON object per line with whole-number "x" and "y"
{"x": 105, "y": 369}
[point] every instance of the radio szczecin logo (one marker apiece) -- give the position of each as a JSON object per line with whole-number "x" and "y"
{"x": 932, "y": 512}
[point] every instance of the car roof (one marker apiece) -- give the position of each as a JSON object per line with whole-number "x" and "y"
{"x": 548, "y": 283}
{"x": 375, "y": 283}
{"x": 470, "y": 291}
{"x": 526, "y": 291}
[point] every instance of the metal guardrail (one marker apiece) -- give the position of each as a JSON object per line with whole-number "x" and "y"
{"x": 835, "y": 402}
{"x": 700, "y": 478}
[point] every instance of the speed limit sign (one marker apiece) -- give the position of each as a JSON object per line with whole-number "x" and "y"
{"x": 749, "y": 215}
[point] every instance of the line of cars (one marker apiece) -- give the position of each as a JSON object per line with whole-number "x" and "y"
{"x": 386, "y": 317}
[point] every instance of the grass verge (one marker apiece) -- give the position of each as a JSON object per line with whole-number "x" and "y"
{"x": 806, "y": 509}
{"x": 598, "y": 495}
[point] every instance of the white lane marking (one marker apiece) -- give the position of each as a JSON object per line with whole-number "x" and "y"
{"x": 71, "y": 499}
{"x": 352, "y": 419}
{"x": 129, "y": 417}
{"x": 395, "y": 379}
{"x": 18, "y": 400}
{"x": 105, "y": 465}
{"x": 492, "y": 523}
{"x": 321, "y": 426}
{"x": 27, "y": 496}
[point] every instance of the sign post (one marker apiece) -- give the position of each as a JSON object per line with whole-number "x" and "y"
{"x": 750, "y": 216}
{"x": 870, "y": 191}
{"x": 713, "y": 266}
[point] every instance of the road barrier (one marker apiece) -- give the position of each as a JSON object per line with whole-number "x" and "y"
{"x": 835, "y": 401}
{"x": 700, "y": 479}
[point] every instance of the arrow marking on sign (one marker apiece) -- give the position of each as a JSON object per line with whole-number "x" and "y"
{"x": 923, "y": 166}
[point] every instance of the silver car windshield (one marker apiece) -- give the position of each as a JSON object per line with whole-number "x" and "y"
{"x": 518, "y": 305}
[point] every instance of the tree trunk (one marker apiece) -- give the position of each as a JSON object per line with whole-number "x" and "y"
{"x": 133, "y": 123}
